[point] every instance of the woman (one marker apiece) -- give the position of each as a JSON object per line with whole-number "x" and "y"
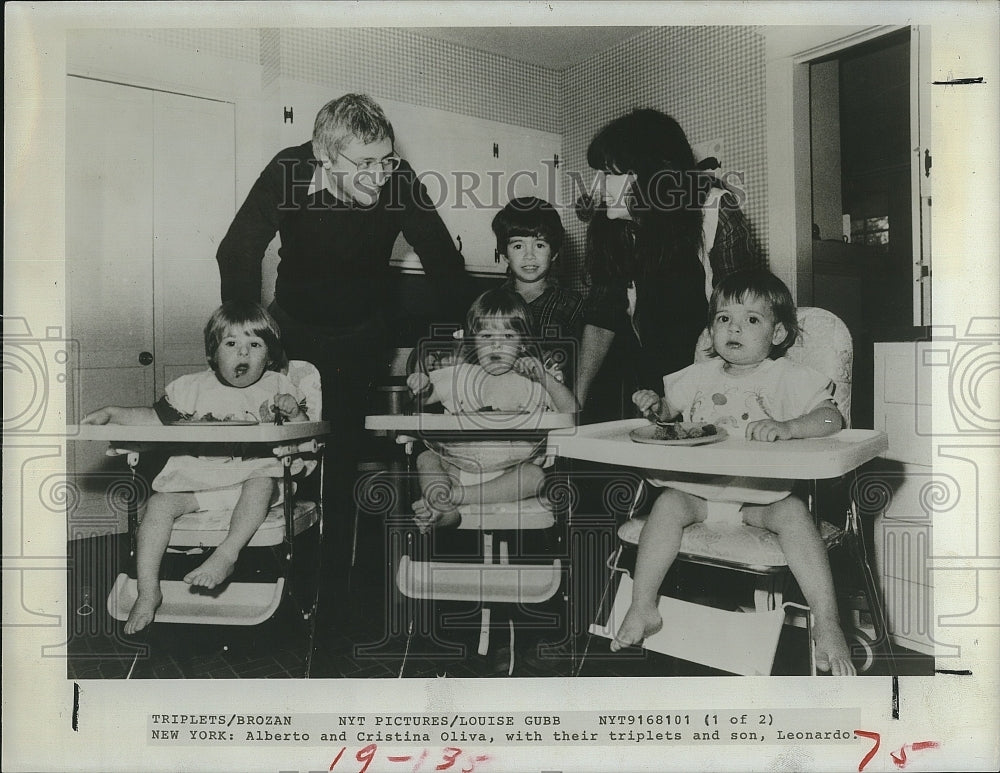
{"x": 657, "y": 220}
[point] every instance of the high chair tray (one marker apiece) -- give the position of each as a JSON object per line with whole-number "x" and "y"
{"x": 238, "y": 603}
{"x": 487, "y": 421}
{"x": 192, "y": 432}
{"x": 827, "y": 457}
{"x": 505, "y": 583}
{"x": 739, "y": 642}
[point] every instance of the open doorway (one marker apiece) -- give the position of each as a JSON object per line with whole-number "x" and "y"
{"x": 868, "y": 261}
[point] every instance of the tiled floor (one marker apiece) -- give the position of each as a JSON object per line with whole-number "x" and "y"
{"x": 351, "y": 638}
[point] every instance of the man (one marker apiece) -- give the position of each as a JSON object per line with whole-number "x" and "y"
{"x": 338, "y": 203}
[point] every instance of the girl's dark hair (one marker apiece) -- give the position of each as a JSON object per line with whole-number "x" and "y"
{"x": 665, "y": 201}
{"x": 245, "y": 315}
{"x": 762, "y": 284}
{"x": 528, "y": 216}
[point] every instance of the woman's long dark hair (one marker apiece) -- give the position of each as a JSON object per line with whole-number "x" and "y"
{"x": 665, "y": 201}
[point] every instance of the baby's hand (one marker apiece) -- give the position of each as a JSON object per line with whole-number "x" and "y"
{"x": 100, "y": 416}
{"x": 530, "y": 367}
{"x": 646, "y": 400}
{"x": 768, "y": 430}
{"x": 287, "y": 405}
{"x": 418, "y": 382}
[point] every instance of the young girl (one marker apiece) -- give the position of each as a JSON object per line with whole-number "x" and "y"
{"x": 244, "y": 382}
{"x": 529, "y": 236}
{"x": 752, "y": 391}
{"x": 495, "y": 373}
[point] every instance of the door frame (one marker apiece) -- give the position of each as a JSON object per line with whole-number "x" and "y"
{"x": 788, "y": 138}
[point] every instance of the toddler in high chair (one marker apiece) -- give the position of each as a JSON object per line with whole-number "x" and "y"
{"x": 495, "y": 371}
{"x": 244, "y": 382}
{"x": 750, "y": 389}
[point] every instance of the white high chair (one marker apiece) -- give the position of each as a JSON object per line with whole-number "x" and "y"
{"x": 725, "y": 542}
{"x": 502, "y": 576}
{"x": 236, "y": 602}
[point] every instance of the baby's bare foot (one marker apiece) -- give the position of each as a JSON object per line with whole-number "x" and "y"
{"x": 143, "y": 611}
{"x": 832, "y": 652}
{"x": 216, "y": 568}
{"x": 428, "y": 517}
{"x": 640, "y": 621}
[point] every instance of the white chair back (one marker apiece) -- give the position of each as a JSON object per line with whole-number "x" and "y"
{"x": 825, "y": 346}
{"x": 306, "y": 377}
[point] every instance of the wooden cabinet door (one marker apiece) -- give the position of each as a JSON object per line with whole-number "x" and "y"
{"x": 109, "y": 233}
{"x": 471, "y": 167}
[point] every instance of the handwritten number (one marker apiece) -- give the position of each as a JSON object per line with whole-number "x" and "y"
{"x": 449, "y": 755}
{"x": 473, "y": 761}
{"x": 420, "y": 761}
{"x": 900, "y": 761}
{"x": 366, "y": 756}
{"x": 480, "y": 758}
{"x": 337, "y": 758}
{"x": 871, "y": 753}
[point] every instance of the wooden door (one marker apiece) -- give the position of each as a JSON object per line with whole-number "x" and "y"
{"x": 109, "y": 235}
{"x": 150, "y": 180}
{"x": 194, "y": 199}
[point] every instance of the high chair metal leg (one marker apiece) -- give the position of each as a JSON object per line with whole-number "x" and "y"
{"x": 133, "y": 506}
{"x": 484, "y": 627}
{"x": 854, "y": 542}
{"x": 410, "y": 615}
{"x": 612, "y": 565}
{"x": 288, "y": 508}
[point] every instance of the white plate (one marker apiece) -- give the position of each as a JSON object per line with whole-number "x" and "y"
{"x": 645, "y": 435}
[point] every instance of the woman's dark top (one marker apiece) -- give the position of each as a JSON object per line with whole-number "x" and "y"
{"x": 671, "y": 310}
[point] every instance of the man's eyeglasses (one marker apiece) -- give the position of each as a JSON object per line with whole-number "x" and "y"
{"x": 388, "y": 164}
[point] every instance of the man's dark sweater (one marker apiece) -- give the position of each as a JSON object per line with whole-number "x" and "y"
{"x": 334, "y": 269}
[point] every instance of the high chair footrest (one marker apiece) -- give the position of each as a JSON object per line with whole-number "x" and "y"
{"x": 737, "y": 545}
{"x": 506, "y": 583}
{"x": 737, "y": 642}
{"x": 210, "y": 527}
{"x": 238, "y": 603}
{"x": 507, "y": 516}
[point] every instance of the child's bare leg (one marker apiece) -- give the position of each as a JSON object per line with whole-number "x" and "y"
{"x": 248, "y": 515}
{"x": 152, "y": 540}
{"x": 799, "y": 539}
{"x": 658, "y": 546}
{"x": 515, "y": 484}
{"x": 435, "y": 508}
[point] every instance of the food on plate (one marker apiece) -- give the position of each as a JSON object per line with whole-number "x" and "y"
{"x": 681, "y": 430}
